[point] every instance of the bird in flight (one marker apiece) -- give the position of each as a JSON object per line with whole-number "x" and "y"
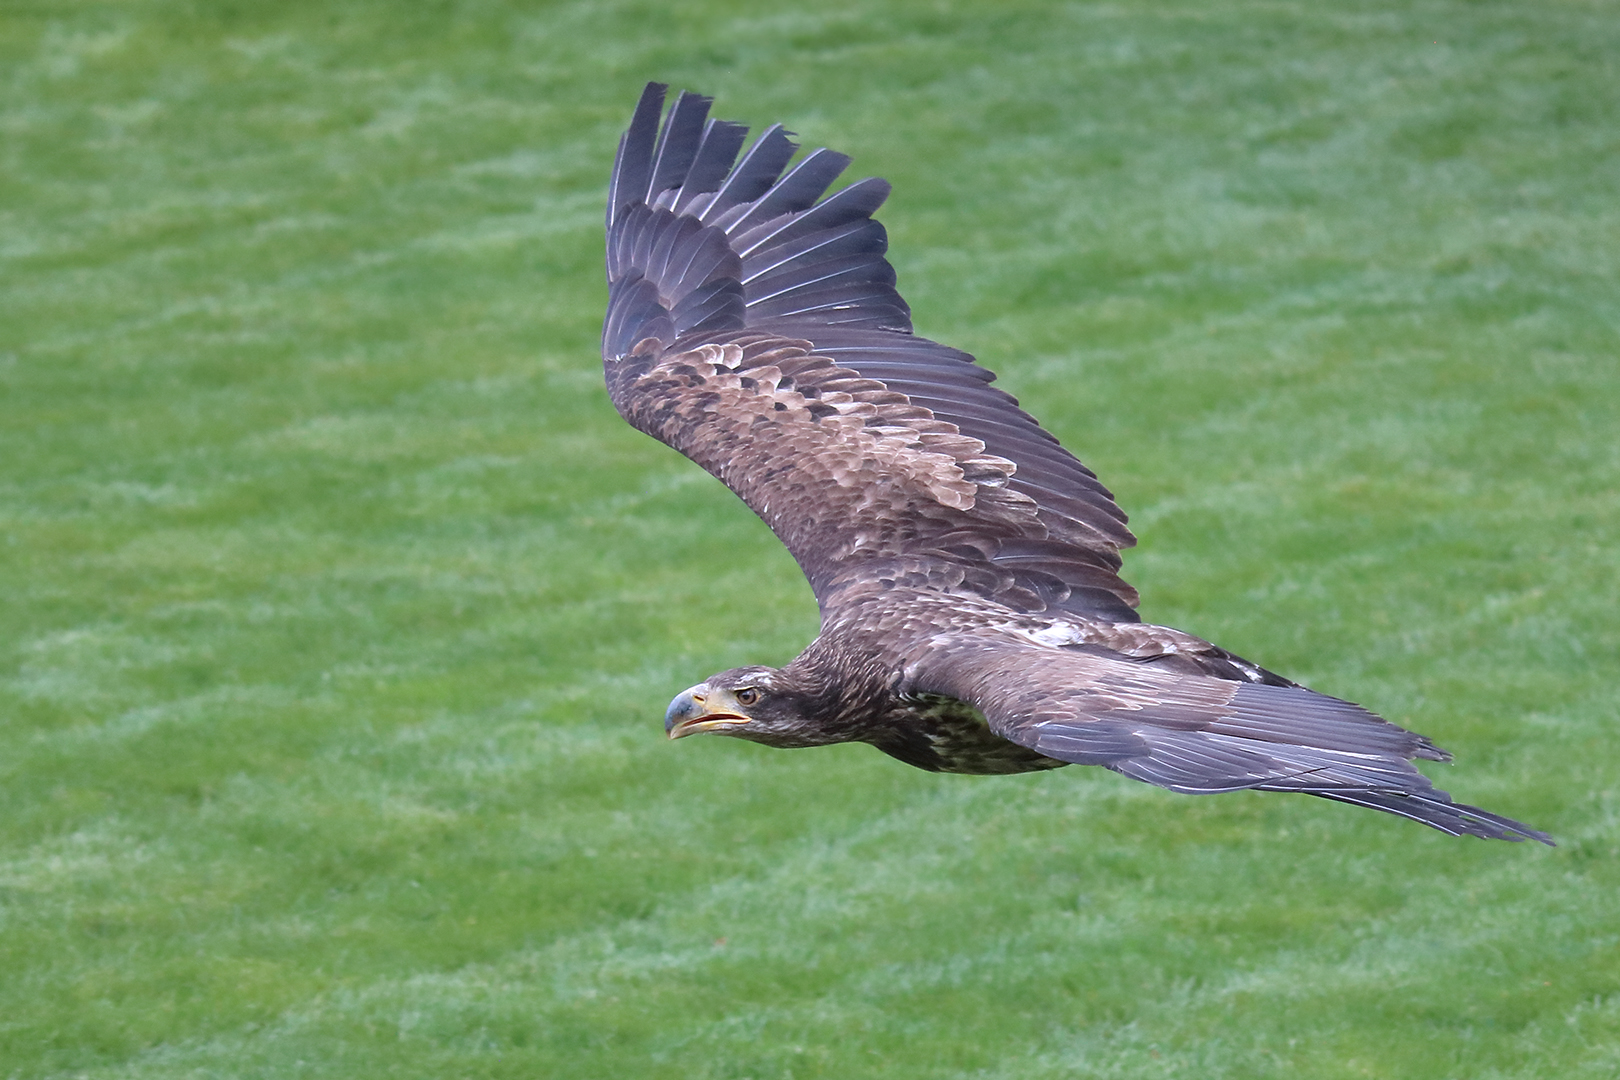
{"x": 966, "y": 565}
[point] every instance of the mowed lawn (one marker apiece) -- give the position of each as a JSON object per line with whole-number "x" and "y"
{"x": 340, "y": 610}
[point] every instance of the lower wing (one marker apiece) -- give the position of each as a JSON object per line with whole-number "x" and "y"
{"x": 1198, "y": 735}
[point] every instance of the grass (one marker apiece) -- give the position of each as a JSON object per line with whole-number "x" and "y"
{"x": 341, "y": 609}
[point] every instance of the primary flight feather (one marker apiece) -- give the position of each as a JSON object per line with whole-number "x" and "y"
{"x": 967, "y": 567}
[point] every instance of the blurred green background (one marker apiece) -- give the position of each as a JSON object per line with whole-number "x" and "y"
{"x": 340, "y": 609}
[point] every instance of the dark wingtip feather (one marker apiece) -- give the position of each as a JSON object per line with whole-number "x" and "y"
{"x": 715, "y": 155}
{"x": 678, "y": 143}
{"x": 632, "y": 169}
{"x": 754, "y": 174}
{"x": 796, "y": 192}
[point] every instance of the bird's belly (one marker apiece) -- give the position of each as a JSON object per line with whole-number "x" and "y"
{"x": 941, "y": 734}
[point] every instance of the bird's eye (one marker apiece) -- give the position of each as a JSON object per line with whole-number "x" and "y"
{"x": 747, "y": 695}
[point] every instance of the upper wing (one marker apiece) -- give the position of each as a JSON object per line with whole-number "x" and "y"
{"x": 1194, "y": 734}
{"x": 758, "y": 331}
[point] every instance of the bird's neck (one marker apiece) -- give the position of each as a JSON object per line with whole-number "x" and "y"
{"x": 844, "y": 685}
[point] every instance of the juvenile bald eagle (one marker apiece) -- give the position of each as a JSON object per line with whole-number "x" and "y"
{"x": 967, "y": 567}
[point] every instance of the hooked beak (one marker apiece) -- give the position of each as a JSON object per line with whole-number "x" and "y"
{"x": 701, "y": 709}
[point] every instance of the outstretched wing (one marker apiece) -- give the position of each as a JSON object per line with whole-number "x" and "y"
{"x": 1192, "y": 734}
{"x": 755, "y": 327}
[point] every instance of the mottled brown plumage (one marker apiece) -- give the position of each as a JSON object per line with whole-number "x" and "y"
{"x": 966, "y": 565}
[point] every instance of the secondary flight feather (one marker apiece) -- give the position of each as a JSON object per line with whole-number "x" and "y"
{"x": 966, "y": 564}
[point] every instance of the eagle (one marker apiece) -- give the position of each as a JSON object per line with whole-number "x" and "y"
{"x": 966, "y": 565}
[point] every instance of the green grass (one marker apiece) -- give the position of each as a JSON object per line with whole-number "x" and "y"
{"x": 341, "y": 610}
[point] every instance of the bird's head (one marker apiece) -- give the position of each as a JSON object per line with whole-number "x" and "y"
{"x": 755, "y": 703}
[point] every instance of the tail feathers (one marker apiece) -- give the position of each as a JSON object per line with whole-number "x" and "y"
{"x": 1204, "y": 762}
{"x": 1435, "y": 809}
{"x": 1178, "y": 733}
